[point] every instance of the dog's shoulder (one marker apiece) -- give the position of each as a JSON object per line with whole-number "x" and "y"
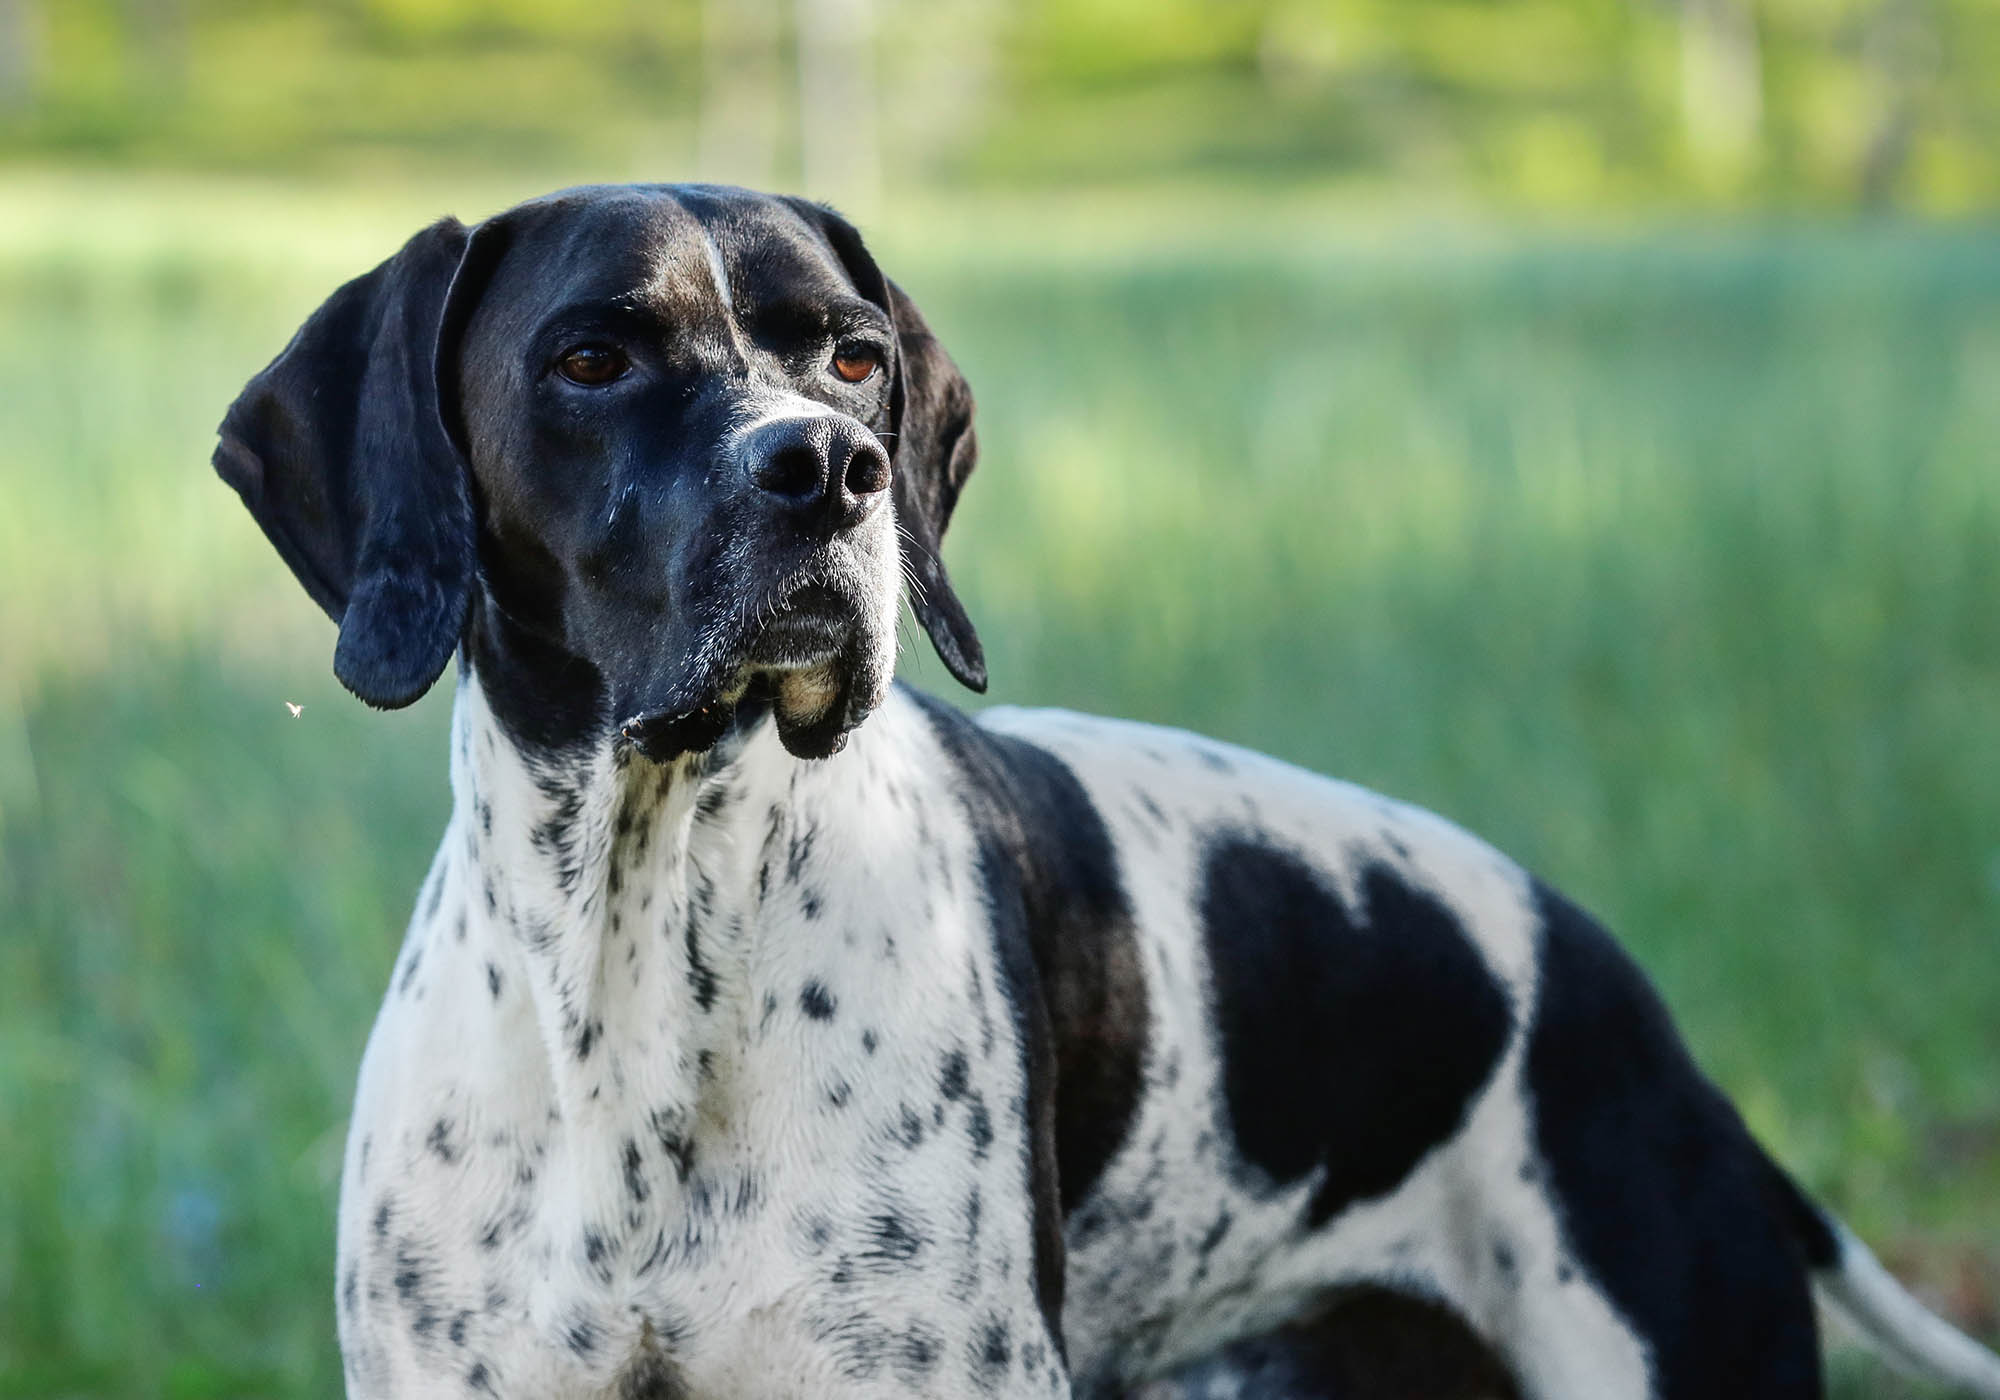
{"x": 1211, "y": 904}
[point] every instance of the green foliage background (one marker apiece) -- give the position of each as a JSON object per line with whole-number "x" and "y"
{"x": 1422, "y": 391}
{"x": 1566, "y": 104}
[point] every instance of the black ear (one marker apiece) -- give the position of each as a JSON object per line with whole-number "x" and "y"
{"x": 339, "y": 448}
{"x": 936, "y": 451}
{"x": 933, "y": 450}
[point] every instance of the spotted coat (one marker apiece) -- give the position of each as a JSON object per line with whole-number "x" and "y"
{"x": 720, "y": 1078}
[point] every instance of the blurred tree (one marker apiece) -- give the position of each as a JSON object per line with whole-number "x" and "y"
{"x": 1566, "y": 103}
{"x": 840, "y": 143}
{"x": 20, "y": 52}
{"x": 159, "y": 35}
{"x": 1899, "y": 48}
{"x": 742, "y": 101}
{"x": 1722, "y": 85}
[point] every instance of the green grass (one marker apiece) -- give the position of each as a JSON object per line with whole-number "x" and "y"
{"x": 1670, "y": 562}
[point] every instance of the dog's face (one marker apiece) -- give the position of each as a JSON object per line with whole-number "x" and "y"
{"x": 668, "y": 450}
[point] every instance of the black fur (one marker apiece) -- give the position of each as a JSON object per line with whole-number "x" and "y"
{"x": 1059, "y": 863}
{"x": 340, "y": 450}
{"x": 1064, "y": 924}
{"x": 1352, "y": 1041}
{"x": 581, "y": 608}
{"x": 1677, "y": 1214}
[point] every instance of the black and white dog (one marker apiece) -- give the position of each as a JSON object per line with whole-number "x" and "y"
{"x": 766, "y": 1030}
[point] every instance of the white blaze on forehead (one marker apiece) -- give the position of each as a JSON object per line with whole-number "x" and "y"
{"x": 716, "y": 269}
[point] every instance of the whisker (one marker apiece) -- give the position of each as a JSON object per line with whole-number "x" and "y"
{"x": 915, "y": 584}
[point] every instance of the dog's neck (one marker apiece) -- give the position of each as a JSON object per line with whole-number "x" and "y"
{"x": 643, "y": 911}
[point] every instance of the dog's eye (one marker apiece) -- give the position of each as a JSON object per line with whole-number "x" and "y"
{"x": 855, "y": 363}
{"x": 592, "y": 365}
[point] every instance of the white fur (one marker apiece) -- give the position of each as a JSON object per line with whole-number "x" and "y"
{"x": 857, "y": 876}
{"x": 740, "y": 1299}
{"x": 717, "y": 269}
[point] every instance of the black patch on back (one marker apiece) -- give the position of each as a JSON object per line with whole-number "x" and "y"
{"x": 1063, "y": 926}
{"x": 1700, "y": 1241}
{"x": 1351, "y": 1041}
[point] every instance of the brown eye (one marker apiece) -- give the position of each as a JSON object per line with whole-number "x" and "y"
{"x": 855, "y": 365}
{"x": 591, "y": 365}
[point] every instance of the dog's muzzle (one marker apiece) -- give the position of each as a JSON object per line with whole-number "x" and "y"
{"x": 816, "y": 648}
{"x": 816, "y": 655}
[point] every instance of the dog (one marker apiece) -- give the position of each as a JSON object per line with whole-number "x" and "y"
{"x": 767, "y": 1029}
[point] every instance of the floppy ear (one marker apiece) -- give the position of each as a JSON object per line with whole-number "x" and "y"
{"x": 936, "y": 451}
{"x": 340, "y": 450}
{"x": 933, "y": 449}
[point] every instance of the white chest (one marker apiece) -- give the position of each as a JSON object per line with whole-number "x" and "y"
{"x": 738, "y": 1102}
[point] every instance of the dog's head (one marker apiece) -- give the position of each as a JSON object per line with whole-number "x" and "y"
{"x": 652, "y": 452}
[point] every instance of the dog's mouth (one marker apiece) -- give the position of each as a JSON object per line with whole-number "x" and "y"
{"x": 805, "y": 654}
{"x": 810, "y": 624}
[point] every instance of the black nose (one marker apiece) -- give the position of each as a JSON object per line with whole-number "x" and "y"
{"x": 825, "y": 471}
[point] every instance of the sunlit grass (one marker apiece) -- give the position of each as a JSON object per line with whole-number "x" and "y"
{"x": 1670, "y": 562}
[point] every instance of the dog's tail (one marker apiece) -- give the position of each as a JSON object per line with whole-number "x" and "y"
{"x": 1851, "y": 1283}
{"x": 1904, "y": 1332}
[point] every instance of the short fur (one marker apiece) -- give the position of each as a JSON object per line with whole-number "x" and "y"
{"x": 764, "y": 1029}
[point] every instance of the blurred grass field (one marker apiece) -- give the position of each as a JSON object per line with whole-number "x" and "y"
{"x": 1668, "y": 561}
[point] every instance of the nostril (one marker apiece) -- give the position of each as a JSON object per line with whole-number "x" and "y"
{"x": 796, "y": 469}
{"x": 867, "y": 471}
